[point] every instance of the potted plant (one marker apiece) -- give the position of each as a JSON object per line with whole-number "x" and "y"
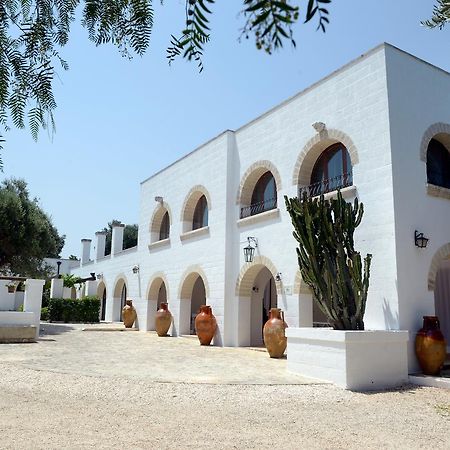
{"x": 338, "y": 279}
{"x": 11, "y": 286}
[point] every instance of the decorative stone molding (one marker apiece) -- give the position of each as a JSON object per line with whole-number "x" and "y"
{"x": 157, "y": 217}
{"x": 190, "y": 202}
{"x": 194, "y": 233}
{"x": 159, "y": 244}
{"x": 251, "y": 177}
{"x": 438, "y": 191}
{"x": 314, "y": 148}
{"x": 118, "y": 284}
{"x": 300, "y": 287}
{"x": 249, "y": 272}
{"x": 439, "y": 131}
{"x": 442, "y": 254}
{"x": 154, "y": 286}
{"x": 188, "y": 280}
{"x": 100, "y": 288}
{"x": 261, "y": 217}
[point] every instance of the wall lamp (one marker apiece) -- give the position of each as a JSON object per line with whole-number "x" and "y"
{"x": 278, "y": 277}
{"x": 420, "y": 240}
{"x": 99, "y": 276}
{"x": 159, "y": 199}
{"x": 135, "y": 269}
{"x": 249, "y": 251}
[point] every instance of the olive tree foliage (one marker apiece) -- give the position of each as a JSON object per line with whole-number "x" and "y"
{"x": 33, "y": 32}
{"x": 130, "y": 235}
{"x": 27, "y": 234}
{"x": 441, "y": 15}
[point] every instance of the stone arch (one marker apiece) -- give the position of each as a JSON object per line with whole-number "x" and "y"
{"x": 441, "y": 254}
{"x": 439, "y": 131}
{"x": 248, "y": 273}
{"x": 314, "y": 148}
{"x": 190, "y": 202}
{"x": 300, "y": 287}
{"x": 120, "y": 280}
{"x": 154, "y": 285}
{"x": 188, "y": 280}
{"x": 251, "y": 177}
{"x": 157, "y": 217}
{"x": 101, "y": 287}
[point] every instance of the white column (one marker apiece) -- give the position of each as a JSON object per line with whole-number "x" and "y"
{"x": 117, "y": 239}
{"x": 305, "y": 304}
{"x": 109, "y": 309}
{"x": 85, "y": 251}
{"x": 56, "y": 288}
{"x": 151, "y": 314}
{"x": 100, "y": 244}
{"x": 142, "y": 308}
{"x": 33, "y": 300}
{"x": 90, "y": 288}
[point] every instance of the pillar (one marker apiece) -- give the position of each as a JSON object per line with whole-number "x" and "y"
{"x": 117, "y": 239}
{"x": 100, "y": 244}
{"x": 33, "y": 300}
{"x": 85, "y": 251}
{"x": 56, "y": 288}
{"x": 90, "y": 289}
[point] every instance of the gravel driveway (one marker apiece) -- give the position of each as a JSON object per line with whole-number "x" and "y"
{"x": 76, "y": 389}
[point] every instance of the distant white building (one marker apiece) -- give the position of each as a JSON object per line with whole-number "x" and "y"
{"x": 381, "y": 133}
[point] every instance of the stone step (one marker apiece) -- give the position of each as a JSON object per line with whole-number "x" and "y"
{"x": 10, "y": 334}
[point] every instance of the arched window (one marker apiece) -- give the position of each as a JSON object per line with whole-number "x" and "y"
{"x": 200, "y": 218}
{"x": 264, "y": 197}
{"x": 332, "y": 171}
{"x": 164, "y": 230}
{"x": 438, "y": 164}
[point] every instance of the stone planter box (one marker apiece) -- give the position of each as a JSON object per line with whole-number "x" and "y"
{"x": 355, "y": 360}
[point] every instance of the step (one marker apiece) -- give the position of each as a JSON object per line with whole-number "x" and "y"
{"x": 10, "y": 334}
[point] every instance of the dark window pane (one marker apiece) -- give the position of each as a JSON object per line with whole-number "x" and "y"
{"x": 264, "y": 195}
{"x": 438, "y": 164}
{"x": 200, "y": 219}
{"x": 164, "y": 231}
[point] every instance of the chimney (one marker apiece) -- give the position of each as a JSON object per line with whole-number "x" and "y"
{"x": 85, "y": 251}
{"x": 100, "y": 245}
{"x": 117, "y": 239}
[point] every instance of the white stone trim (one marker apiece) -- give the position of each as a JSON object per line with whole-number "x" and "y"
{"x": 438, "y": 191}
{"x": 439, "y": 131}
{"x": 159, "y": 244}
{"x": 194, "y": 233}
{"x": 261, "y": 217}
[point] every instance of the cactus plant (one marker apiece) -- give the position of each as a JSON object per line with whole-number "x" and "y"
{"x": 327, "y": 259}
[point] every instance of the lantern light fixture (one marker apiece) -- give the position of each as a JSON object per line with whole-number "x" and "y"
{"x": 136, "y": 269}
{"x": 420, "y": 240}
{"x": 249, "y": 251}
{"x": 278, "y": 277}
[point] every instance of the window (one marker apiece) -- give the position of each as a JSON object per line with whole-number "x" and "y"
{"x": 332, "y": 171}
{"x": 438, "y": 164}
{"x": 200, "y": 218}
{"x": 264, "y": 197}
{"x": 165, "y": 227}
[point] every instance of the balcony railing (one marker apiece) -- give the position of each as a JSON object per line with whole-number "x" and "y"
{"x": 259, "y": 207}
{"x": 324, "y": 186}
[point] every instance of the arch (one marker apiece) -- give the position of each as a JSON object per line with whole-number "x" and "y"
{"x": 251, "y": 177}
{"x": 101, "y": 294}
{"x": 439, "y": 131}
{"x": 154, "y": 285}
{"x": 156, "y": 221}
{"x": 190, "y": 202}
{"x": 441, "y": 254}
{"x": 248, "y": 273}
{"x": 300, "y": 287}
{"x": 100, "y": 288}
{"x": 120, "y": 280}
{"x": 188, "y": 280}
{"x": 314, "y": 148}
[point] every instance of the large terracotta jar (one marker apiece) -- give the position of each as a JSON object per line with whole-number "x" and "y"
{"x": 163, "y": 320}
{"x": 205, "y": 325}
{"x": 128, "y": 314}
{"x": 431, "y": 347}
{"x": 274, "y": 336}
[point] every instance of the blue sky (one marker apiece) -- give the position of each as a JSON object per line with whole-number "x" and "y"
{"x": 119, "y": 121}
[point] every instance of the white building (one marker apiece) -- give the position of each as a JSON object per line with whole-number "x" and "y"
{"x": 376, "y": 121}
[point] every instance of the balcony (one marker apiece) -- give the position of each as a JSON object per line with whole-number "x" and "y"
{"x": 324, "y": 186}
{"x": 257, "y": 208}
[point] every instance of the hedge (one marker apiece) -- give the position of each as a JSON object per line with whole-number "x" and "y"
{"x": 66, "y": 310}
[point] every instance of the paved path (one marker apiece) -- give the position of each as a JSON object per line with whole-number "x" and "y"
{"x": 68, "y": 349}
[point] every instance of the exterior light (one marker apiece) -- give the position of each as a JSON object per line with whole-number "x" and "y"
{"x": 278, "y": 277}
{"x": 58, "y": 263}
{"x": 159, "y": 199}
{"x": 135, "y": 269}
{"x": 249, "y": 251}
{"x": 99, "y": 276}
{"x": 420, "y": 240}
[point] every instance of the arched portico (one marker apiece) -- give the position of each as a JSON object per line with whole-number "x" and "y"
{"x": 119, "y": 297}
{"x": 101, "y": 294}
{"x": 157, "y": 293}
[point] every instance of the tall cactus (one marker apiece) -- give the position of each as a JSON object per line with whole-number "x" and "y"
{"x": 328, "y": 262}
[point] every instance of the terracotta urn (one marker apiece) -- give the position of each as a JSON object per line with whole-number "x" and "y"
{"x": 11, "y": 289}
{"x": 129, "y": 314}
{"x": 273, "y": 332}
{"x": 163, "y": 320}
{"x": 205, "y": 325}
{"x": 431, "y": 347}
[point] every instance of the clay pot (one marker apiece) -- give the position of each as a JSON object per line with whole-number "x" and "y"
{"x": 273, "y": 331}
{"x": 205, "y": 325}
{"x": 431, "y": 347}
{"x": 128, "y": 314}
{"x": 163, "y": 320}
{"x": 11, "y": 289}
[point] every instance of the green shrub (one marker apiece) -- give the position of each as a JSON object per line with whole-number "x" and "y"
{"x": 68, "y": 310}
{"x": 44, "y": 313}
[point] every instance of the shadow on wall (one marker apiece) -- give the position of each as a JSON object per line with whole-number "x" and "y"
{"x": 391, "y": 320}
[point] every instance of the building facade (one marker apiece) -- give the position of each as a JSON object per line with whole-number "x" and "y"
{"x": 381, "y": 132}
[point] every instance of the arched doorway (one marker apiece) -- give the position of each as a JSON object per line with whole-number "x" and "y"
{"x": 101, "y": 294}
{"x": 120, "y": 296}
{"x": 162, "y": 295}
{"x": 257, "y": 295}
{"x": 192, "y": 296}
{"x": 442, "y": 299}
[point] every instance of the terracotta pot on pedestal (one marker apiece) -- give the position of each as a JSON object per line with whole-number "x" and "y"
{"x": 205, "y": 325}
{"x": 163, "y": 320}
{"x": 129, "y": 314}
{"x": 273, "y": 331}
{"x": 431, "y": 347}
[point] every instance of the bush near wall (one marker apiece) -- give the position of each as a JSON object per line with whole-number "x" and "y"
{"x": 66, "y": 310}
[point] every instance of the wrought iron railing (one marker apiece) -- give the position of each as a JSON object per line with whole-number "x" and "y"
{"x": 324, "y": 186}
{"x": 259, "y": 207}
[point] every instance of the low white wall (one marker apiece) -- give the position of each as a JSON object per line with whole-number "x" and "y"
{"x": 356, "y": 360}
{"x": 16, "y": 318}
